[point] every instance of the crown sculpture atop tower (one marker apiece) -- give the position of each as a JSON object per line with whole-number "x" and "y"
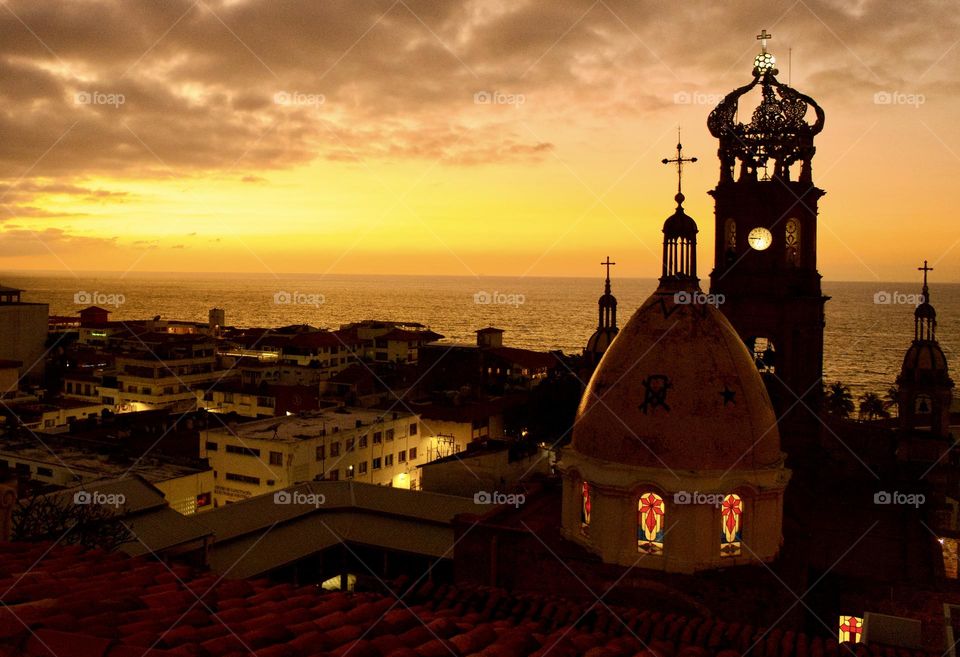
{"x": 777, "y": 130}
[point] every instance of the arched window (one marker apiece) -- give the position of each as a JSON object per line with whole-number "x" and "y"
{"x": 730, "y": 238}
{"x": 851, "y": 629}
{"x": 764, "y": 354}
{"x": 792, "y": 242}
{"x": 585, "y": 504}
{"x": 922, "y": 404}
{"x": 650, "y": 515}
{"x": 731, "y": 525}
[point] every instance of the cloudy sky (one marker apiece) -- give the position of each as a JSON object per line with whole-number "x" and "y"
{"x": 517, "y": 137}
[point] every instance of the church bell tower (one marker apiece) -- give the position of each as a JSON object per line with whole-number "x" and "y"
{"x": 765, "y": 263}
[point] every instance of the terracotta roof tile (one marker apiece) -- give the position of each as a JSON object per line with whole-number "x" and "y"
{"x": 94, "y": 604}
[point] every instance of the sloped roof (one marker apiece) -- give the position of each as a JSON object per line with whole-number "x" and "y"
{"x": 404, "y": 335}
{"x": 524, "y": 357}
{"x": 68, "y": 601}
{"x": 259, "y": 535}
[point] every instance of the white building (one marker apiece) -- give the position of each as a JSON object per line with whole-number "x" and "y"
{"x": 23, "y": 333}
{"x": 187, "y": 489}
{"x": 360, "y": 444}
{"x": 165, "y": 371}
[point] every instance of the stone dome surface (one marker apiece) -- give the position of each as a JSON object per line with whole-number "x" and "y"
{"x": 924, "y": 355}
{"x": 678, "y": 390}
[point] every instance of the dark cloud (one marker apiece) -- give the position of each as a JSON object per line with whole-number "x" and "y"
{"x": 178, "y": 89}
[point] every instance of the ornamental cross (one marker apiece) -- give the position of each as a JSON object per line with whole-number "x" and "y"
{"x": 925, "y": 269}
{"x": 608, "y": 264}
{"x": 679, "y": 161}
{"x": 762, "y": 38}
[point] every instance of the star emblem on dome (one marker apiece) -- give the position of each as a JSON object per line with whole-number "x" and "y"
{"x": 729, "y": 396}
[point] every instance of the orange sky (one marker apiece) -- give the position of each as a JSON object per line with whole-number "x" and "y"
{"x": 466, "y": 138}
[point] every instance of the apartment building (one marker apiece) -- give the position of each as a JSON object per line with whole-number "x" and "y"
{"x": 345, "y": 443}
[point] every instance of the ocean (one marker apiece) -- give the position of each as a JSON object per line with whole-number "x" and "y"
{"x": 864, "y": 340}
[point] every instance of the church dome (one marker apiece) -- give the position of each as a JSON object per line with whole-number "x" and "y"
{"x": 678, "y": 389}
{"x": 925, "y": 356}
{"x": 601, "y": 339}
{"x": 925, "y": 311}
{"x": 679, "y": 224}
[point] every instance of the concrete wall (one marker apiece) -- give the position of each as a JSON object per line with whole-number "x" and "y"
{"x": 23, "y": 336}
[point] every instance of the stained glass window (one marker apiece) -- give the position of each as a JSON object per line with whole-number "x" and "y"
{"x": 585, "y": 506}
{"x": 851, "y": 629}
{"x": 731, "y": 525}
{"x": 792, "y": 242}
{"x": 650, "y": 515}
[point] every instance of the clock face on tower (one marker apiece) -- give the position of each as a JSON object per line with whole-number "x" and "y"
{"x": 759, "y": 238}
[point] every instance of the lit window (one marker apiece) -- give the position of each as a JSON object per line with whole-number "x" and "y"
{"x": 650, "y": 514}
{"x": 585, "y": 506}
{"x": 731, "y": 530}
{"x": 851, "y": 629}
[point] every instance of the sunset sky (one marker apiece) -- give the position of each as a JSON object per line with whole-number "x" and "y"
{"x": 352, "y": 136}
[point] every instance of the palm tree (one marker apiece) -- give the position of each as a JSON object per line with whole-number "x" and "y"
{"x": 839, "y": 401}
{"x": 891, "y": 399}
{"x": 871, "y": 407}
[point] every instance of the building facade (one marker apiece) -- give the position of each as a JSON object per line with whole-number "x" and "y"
{"x": 360, "y": 444}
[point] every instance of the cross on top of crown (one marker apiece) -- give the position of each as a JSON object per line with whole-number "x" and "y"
{"x": 762, "y": 38}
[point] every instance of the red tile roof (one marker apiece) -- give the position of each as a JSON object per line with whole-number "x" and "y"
{"x": 75, "y": 603}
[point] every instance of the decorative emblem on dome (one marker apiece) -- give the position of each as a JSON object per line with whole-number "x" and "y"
{"x": 729, "y": 396}
{"x": 777, "y": 130}
{"x": 655, "y": 389}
